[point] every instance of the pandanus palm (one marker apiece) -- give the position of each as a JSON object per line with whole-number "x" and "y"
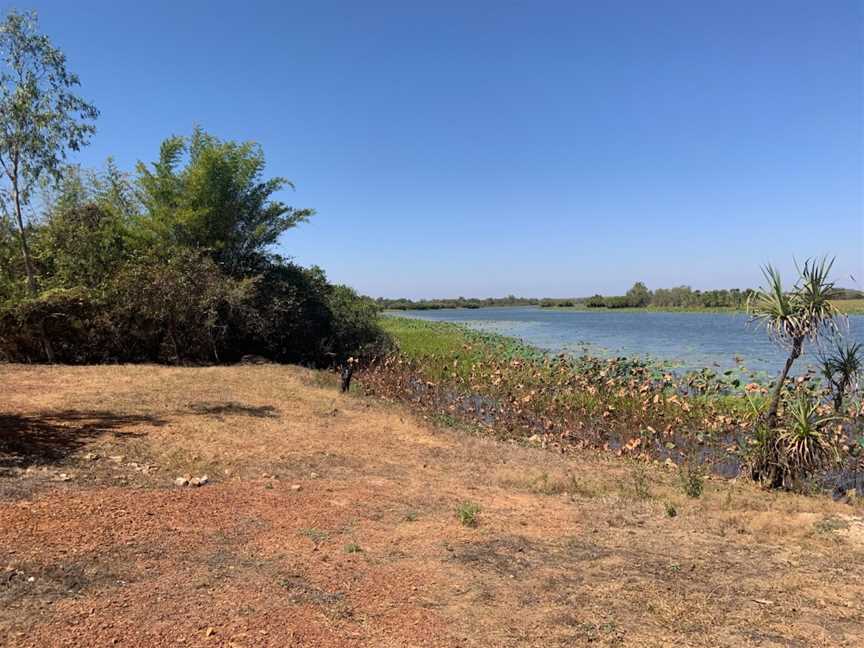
{"x": 841, "y": 366}
{"x": 802, "y": 443}
{"x": 794, "y": 317}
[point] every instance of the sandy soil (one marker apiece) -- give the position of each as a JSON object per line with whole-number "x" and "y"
{"x": 330, "y": 520}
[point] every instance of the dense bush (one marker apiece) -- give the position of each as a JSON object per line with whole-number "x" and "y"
{"x": 174, "y": 266}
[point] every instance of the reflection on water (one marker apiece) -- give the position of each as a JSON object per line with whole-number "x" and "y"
{"x": 689, "y": 340}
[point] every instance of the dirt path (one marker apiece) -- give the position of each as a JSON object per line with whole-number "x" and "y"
{"x": 330, "y": 520}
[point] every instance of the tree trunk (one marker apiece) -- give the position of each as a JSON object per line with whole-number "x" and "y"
{"x": 771, "y": 417}
{"x": 28, "y": 268}
{"x": 25, "y": 248}
{"x": 839, "y": 391}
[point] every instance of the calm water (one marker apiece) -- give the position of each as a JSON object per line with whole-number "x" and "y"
{"x": 690, "y": 340}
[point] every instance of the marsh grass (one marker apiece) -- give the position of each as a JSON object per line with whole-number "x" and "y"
{"x": 849, "y": 306}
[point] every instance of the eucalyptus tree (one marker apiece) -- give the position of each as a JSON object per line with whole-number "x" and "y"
{"x": 41, "y": 118}
{"x": 791, "y": 318}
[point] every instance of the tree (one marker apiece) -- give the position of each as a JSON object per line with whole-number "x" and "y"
{"x": 40, "y": 119}
{"x": 595, "y": 301}
{"x": 639, "y": 295}
{"x": 81, "y": 246}
{"x": 792, "y": 318}
{"x": 218, "y": 202}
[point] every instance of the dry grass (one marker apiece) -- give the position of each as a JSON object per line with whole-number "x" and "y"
{"x": 567, "y": 551}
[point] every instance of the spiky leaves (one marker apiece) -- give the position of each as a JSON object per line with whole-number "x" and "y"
{"x": 793, "y": 317}
{"x": 841, "y": 366}
{"x": 802, "y": 445}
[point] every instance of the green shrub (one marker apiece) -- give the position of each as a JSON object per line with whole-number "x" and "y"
{"x": 692, "y": 478}
{"x": 636, "y": 485}
{"x": 467, "y": 513}
{"x": 175, "y": 266}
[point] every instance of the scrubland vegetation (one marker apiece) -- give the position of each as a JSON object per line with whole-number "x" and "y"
{"x": 173, "y": 262}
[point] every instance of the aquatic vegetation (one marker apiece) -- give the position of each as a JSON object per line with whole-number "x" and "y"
{"x": 625, "y": 404}
{"x": 630, "y": 407}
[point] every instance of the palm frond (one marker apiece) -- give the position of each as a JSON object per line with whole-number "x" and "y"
{"x": 771, "y": 308}
{"x": 802, "y": 444}
{"x": 804, "y": 312}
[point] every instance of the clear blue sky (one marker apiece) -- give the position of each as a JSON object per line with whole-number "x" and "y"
{"x": 485, "y": 148}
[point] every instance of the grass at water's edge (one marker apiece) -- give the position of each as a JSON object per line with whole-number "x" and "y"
{"x": 850, "y": 306}
{"x": 438, "y": 344}
{"x": 629, "y": 406}
{"x": 626, "y": 394}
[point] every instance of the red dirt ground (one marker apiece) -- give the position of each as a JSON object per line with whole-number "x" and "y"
{"x": 99, "y": 547}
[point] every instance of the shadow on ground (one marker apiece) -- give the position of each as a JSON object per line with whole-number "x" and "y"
{"x": 51, "y": 437}
{"x": 232, "y": 408}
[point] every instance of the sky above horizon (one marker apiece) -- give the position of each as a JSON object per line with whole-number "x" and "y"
{"x": 492, "y": 148}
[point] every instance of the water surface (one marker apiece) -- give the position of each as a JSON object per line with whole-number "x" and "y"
{"x": 688, "y": 340}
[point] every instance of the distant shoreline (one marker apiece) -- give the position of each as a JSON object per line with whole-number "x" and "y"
{"x": 845, "y": 306}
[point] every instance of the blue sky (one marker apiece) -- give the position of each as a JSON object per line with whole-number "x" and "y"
{"x": 486, "y": 148}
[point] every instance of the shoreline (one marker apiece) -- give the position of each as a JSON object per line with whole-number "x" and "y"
{"x": 502, "y": 386}
{"x": 856, "y": 307}
{"x": 845, "y": 306}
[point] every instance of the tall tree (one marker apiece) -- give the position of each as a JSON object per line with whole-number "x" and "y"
{"x": 40, "y": 118}
{"x": 210, "y": 194}
{"x": 639, "y": 295}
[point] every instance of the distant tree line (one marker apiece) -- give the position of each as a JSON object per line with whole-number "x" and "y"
{"x": 459, "y": 302}
{"x": 639, "y": 296}
{"x": 679, "y": 297}
{"x": 682, "y": 297}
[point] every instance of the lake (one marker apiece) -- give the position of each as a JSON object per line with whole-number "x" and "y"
{"x": 689, "y": 340}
